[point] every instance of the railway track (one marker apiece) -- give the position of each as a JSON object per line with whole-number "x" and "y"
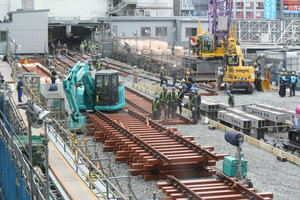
{"x": 141, "y": 103}
{"x": 151, "y": 149}
{"x": 37, "y": 69}
{"x": 221, "y": 187}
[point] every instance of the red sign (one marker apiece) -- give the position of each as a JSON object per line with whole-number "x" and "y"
{"x": 291, "y": 6}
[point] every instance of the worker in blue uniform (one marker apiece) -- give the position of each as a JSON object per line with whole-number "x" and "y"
{"x": 20, "y": 88}
{"x": 156, "y": 108}
{"x": 188, "y": 80}
{"x": 293, "y": 82}
{"x": 162, "y": 77}
{"x": 164, "y": 100}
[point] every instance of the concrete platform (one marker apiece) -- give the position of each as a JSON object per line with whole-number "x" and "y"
{"x": 71, "y": 181}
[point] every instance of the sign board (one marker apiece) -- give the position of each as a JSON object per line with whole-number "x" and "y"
{"x": 270, "y": 9}
{"x": 291, "y": 6}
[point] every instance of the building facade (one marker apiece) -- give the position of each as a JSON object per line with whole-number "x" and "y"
{"x": 26, "y": 32}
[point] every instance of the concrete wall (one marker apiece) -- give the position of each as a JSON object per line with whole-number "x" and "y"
{"x": 68, "y": 9}
{"x": 28, "y": 29}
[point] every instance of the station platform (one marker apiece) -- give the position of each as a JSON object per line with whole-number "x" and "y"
{"x": 67, "y": 176}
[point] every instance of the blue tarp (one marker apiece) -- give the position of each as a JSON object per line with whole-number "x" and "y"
{"x": 13, "y": 186}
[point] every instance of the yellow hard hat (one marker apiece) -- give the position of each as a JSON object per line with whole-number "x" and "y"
{"x": 162, "y": 68}
{"x": 187, "y": 72}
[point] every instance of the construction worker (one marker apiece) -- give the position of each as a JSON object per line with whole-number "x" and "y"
{"x": 174, "y": 75}
{"x": 293, "y": 82}
{"x": 89, "y": 47}
{"x": 199, "y": 43}
{"x": 100, "y": 65}
{"x": 58, "y": 45}
{"x": 127, "y": 47}
{"x": 156, "y": 108}
{"x": 53, "y": 74}
{"x": 81, "y": 48}
{"x": 20, "y": 88}
{"x": 135, "y": 75}
{"x": 95, "y": 58}
{"x": 162, "y": 76}
{"x": 93, "y": 47}
{"x": 282, "y": 87}
{"x": 85, "y": 46}
{"x": 230, "y": 98}
{"x": 172, "y": 97}
{"x": 180, "y": 97}
{"x": 193, "y": 106}
{"x": 164, "y": 100}
{"x": 198, "y": 96}
{"x": 188, "y": 80}
{"x": 257, "y": 81}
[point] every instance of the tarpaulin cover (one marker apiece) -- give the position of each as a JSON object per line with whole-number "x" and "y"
{"x": 233, "y": 137}
{"x": 13, "y": 186}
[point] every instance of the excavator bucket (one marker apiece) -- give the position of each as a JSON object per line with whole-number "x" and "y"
{"x": 265, "y": 85}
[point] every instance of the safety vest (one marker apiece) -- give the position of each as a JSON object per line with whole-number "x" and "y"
{"x": 155, "y": 102}
{"x": 163, "y": 74}
{"x": 180, "y": 95}
{"x": 187, "y": 79}
{"x": 198, "y": 100}
{"x": 172, "y": 99}
{"x": 99, "y": 65}
{"x": 82, "y": 46}
{"x": 164, "y": 98}
{"x": 199, "y": 40}
{"x": 283, "y": 78}
{"x": 229, "y": 99}
{"x": 93, "y": 46}
{"x": 94, "y": 57}
{"x": 134, "y": 71}
{"x": 52, "y": 75}
{"x": 19, "y": 83}
{"x": 192, "y": 103}
{"x": 293, "y": 79}
{"x": 85, "y": 44}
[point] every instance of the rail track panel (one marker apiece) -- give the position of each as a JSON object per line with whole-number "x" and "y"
{"x": 141, "y": 103}
{"x": 151, "y": 149}
{"x": 219, "y": 188}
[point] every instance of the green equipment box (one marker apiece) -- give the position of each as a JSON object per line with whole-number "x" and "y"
{"x": 230, "y": 166}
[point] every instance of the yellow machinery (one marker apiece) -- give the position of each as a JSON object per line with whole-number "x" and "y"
{"x": 234, "y": 73}
{"x": 207, "y": 46}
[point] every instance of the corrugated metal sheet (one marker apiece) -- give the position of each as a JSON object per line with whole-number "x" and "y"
{"x": 30, "y": 30}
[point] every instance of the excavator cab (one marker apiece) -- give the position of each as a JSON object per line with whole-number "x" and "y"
{"x": 208, "y": 46}
{"x": 106, "y": 88}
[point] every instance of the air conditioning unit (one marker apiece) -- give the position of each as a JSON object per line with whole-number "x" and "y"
{"x": 147, "y": 13}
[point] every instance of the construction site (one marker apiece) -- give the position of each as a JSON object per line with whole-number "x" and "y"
{"x": 149, "y": 100}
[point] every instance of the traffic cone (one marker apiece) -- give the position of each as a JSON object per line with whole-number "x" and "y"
{"x": 46, "y": 80}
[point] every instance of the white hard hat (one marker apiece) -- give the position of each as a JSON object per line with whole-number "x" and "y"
{"x": 293, "y": 73}
{"x": 174, "y": 66}
{"x": 135, "y": 66}
{"x": 52, "y": 67}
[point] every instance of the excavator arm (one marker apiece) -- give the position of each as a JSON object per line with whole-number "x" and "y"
{"x": 79, "y": 73}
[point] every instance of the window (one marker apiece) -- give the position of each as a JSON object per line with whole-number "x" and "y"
{"x": 190, "y": 32}
{"x": 239, "y": 14}
{"x": 259, "y": 14}
{"x": 249, "y": 5}
{"x": 259, "y": 5}
{"x": 143, "y": 31}
{"x": 249, "y": 14}
{"x": 161, "y": 31}
{"x": 239, "y": 5}
{"x": 3, "y": 36}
